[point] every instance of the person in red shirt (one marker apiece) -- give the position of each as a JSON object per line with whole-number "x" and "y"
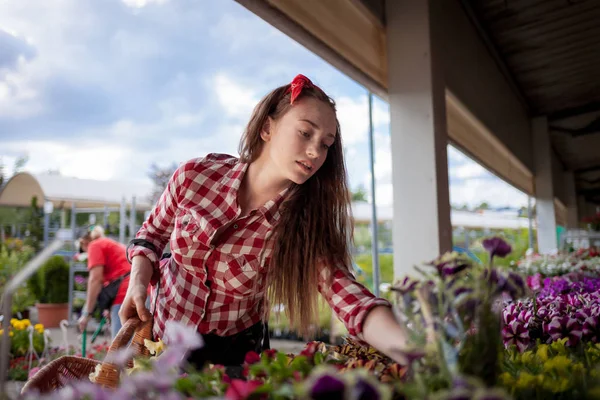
{"x": 107, "y": 262}
{"x": 268, "y": 228}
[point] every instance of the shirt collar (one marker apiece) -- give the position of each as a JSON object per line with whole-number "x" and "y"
{"x": 232, "y": 181}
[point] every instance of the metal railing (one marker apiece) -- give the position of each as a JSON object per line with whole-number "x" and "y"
{"x": 579, "y": 239}
{"x": 30, "y": 268}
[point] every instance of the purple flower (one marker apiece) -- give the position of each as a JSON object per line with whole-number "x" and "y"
{"x": 516, "y": 334}
{"x": 328, "y": 387}
{"x": 535, "y": 281}
{"x": 497, "y": 247}
{"x": 591, "y": 329}
{"x": 178, "y": 334}
{"x": 406, "y": 285}
{"x": 565, "y": 327}
{"x": 364, "y": 390}
{"x": 509, "y": 313}
{"x": 524, "y": 316}
{"x": 120, "y": 357}
{"x": 450, "y": 266}
{"x": 80, "y": 280}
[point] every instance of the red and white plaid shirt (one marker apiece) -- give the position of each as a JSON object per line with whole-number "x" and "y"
{"x": 220, "y": 288}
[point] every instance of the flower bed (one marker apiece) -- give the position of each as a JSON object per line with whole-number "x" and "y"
{"x": 475, "y": 332}
{"x": 584, "y": 261}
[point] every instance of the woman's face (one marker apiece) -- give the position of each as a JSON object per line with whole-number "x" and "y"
{"x": 84, "y": 245}
{"x": 297, "y": 143}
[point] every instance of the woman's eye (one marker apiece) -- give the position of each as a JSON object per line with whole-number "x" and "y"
{"x": 325, "y": 146}
{"x": 305, "y": 134}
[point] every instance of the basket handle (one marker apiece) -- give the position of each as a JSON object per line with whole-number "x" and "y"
{"x": 132, "y": 334}
{"x": 134, "y": 331}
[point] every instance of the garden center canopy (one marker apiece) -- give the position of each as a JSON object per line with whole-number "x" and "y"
{"x": 64, "y": 191}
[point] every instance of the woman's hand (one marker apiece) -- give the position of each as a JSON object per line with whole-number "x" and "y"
{"x": 83, "y": 322}
{"x": 134, "y": 304}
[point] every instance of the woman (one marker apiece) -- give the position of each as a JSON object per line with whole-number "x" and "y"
{"x": 271, "y": 227}
{"x": 107, "y": 263}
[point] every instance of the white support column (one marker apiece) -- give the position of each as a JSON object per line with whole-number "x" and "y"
{"x": 422, "y": 228}
{"x": 572, "y": 209}
{"x": 544, "y": 188}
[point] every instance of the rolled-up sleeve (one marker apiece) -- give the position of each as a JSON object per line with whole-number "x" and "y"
{"x": 159, "y": 225}
{"x": 350, "y": 300}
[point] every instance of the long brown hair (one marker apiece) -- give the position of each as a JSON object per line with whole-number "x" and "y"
{"x": 315, "y": 227}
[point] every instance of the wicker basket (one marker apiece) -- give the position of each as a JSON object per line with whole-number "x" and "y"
{"x": 58, "y": 373}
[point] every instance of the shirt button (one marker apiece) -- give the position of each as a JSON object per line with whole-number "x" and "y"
{"x": 235, "y": 226}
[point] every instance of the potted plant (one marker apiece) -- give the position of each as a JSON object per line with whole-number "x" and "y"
{"x": 50, "y": 286}
{"x": 22, "y": 300}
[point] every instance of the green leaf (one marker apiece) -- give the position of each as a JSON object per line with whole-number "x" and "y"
{"x": 319, "y": 358}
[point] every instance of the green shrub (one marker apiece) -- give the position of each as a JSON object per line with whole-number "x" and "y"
{"x": 50, "y": 284}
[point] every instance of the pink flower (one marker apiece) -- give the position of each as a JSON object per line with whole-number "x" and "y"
{"x": 516, "y": 334}
{"x": 310, "y": 350}
{"x": 240, "y": 390}
{"x": 32, "y": 372}
{"x": 565, "y": 327}
{"x": 270, "y": 353}
{"x": 535, "y": 281}
{"x": 251, "y": 358}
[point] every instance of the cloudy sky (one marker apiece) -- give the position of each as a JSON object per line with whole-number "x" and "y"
{"x": 101, "y": 89}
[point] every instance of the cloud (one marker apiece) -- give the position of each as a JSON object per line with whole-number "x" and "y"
{"x": 495, "y": 192}
{"x": 142, "y": 3}
{"x": 103, "y": 89}
{"x": 468, "y": 171}
{"x": 89, "y": 158}
{"x": 470, "y": 183}
{"x": 13, "y": 50}
{"x": 236, "y": 99}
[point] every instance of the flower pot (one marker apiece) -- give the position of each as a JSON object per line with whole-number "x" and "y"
{"x": 50, "y": 315}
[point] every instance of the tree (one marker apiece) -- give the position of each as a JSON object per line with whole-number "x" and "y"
{"x": 160, "y": 177}
{"x": 1, "y": 172}
{"x": 484, "y": 206}
{"x": 35, "y": 225}
{"x": 359, "y": 195}
{"x": 20, "y": 163}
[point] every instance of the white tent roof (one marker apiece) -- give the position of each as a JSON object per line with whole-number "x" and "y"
{"x": 63, "y": 191}
{"x": 468, "y": 219}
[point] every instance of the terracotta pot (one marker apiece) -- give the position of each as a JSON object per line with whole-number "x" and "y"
{"x": 50, "y": 315}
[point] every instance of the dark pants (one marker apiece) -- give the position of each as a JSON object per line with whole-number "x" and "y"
{"x": 230, "y": 351}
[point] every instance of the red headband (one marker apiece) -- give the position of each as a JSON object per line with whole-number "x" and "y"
{"x": 299, "y": 83}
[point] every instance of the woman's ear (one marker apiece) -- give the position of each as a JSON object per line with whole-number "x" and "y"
{"x": 265, "y": 133}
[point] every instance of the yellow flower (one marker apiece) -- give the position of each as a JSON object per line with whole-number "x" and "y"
{"x": 155, "y": 348}
{"x": 558, "y": 364}
{"x": 39, "y": 328}
{"x": 557, "y": 385}
{"x": 11, "y": 334}
{"x": 18, "y": 325}
{"x": 26, "y": 323}
{"x": 578, "y": 367}
{"x": 542, "y": 352}
{"x": 526, "y": 380}
{"x": 507, "y": 379}
{"x": 1, "y": 332}
{"x": 560, "y": 346}
{"x": 13, "y": 320}
{"x": 527, "y": 357}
